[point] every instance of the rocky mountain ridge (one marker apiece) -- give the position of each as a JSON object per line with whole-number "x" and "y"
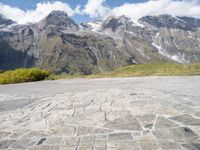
{"x": 5, "y": 21}
{"x": 59, "y": 44}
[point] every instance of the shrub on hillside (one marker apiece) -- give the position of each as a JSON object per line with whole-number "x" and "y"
{"x": 23, "y": 75}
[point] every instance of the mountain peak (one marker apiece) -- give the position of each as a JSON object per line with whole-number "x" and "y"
{"x": 58, "y": 12}
{"x": 59, "y": 19}
{"x": 4, "y": 21}
{"x": 114, "y": 23}
{"x": 57, "y": 16}
{"x": 118, "y": 18}
{"x": 170, "y": 21}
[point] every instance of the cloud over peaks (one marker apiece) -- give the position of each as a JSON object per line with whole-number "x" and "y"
{"x": 96, "y": 8}
{"x": 99, "y": 8}
{"x": 191, "y": 8}
{"x": 42, "y": 10}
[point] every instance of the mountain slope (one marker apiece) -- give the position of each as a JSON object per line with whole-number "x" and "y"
{"x": 59, "y": 44}
{"x": 5, "y": 21}
{"x": 176, "y": 37}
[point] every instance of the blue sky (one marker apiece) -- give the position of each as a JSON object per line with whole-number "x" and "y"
{"x": 23, "y": 11}
{"x": 30, "y": 4}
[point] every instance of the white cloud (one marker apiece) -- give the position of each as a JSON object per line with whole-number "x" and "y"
{"x": 96, "y": 8}
{"x": 42, "y": 10}
{"x": 152, "y": 7}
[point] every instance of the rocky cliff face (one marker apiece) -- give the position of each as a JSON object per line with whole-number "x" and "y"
{"x": 59, "y": 44}
{"x": 177, "y": 38}
{"x": 5, "y": 21}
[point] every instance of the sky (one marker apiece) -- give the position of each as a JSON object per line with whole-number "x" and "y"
{"x": 25, "y": 11}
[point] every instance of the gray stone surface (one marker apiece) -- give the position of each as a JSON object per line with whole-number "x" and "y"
{"x": 187, "y": 120}
{"x": 148, "y": 113}
{"x": 163, "y": 122}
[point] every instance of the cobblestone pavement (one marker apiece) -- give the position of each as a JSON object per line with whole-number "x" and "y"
{"x": 150, "y": 113}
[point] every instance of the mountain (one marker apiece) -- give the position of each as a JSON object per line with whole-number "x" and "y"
{"x": 176, "y": 37}
{"x": 5, "y": 21}
{"x": 59, "y": 44}
{"x": 59, "y": 19}
{"x": 168, "y": 21}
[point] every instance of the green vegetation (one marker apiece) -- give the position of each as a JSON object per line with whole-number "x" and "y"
{"x": 23, "y": 75}
{"x": 151, "y": 69}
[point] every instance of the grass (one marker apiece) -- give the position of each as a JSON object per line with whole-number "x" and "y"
{"x": 152, "y": 69}
{"x": 155, "y": 69}
{"x": 23, "y": 75}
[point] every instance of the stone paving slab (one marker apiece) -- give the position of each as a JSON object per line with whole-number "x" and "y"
{"x": 148, "y": 113}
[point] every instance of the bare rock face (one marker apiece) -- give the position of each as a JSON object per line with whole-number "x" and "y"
{"x": 5, "y": 21}
{"x": 176, "y": 37}
{"x": 59, "y": 44}
{"x": 167, "y": 21}
{"x": 58, "y": 19}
